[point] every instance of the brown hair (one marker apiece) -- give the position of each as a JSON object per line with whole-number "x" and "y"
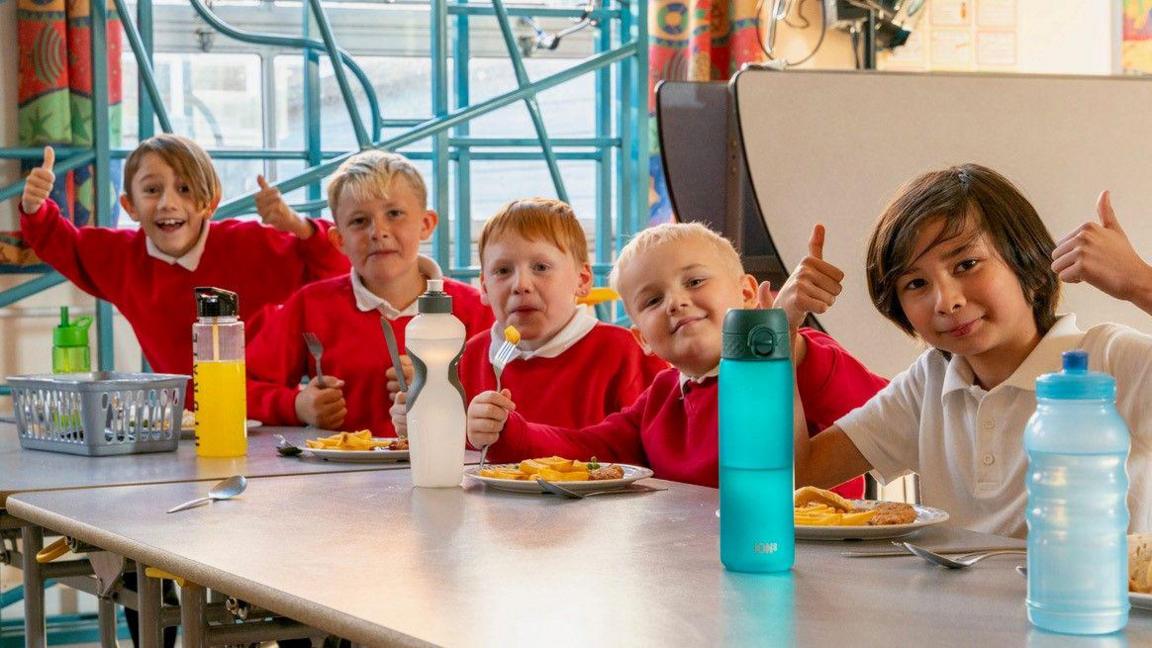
{"x": 188, "y": 161}
{"x": 963, "y": 196}
{"x": 369, "y": 174}
{"x": 538, "y": 219}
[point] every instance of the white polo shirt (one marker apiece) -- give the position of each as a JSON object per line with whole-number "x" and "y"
{"x": 967, "y": 444}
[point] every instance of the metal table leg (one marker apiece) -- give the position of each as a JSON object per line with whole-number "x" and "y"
{"x": 193, "y": 617}
{"x": 106, "y": 613}
{"x": 34, "y": 627}
{"x": 149, "y": 603}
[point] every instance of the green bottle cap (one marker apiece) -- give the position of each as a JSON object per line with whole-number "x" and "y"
{"x": 71, "y": 334}
{"x": 756, "y": 334}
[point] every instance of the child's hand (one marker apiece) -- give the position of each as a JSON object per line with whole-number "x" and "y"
{"x": 813, "y": 285}
{"x": 394, "y": 381}
{"x": 486, "y": 417}
{"x": 1101, "y": 254}
{"x": 321, "y": 404}
{"x": 399, "y": 414}
{"x": 275, "y": 212}
{"x": 39, "y": 183}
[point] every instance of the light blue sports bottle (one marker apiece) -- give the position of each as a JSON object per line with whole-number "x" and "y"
{"x": 1077, "y": 483}
{"x": 756, "y": 526}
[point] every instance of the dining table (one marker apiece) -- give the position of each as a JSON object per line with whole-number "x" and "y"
{"x": 27, "y": 471}
{"x": 370, "y": 558}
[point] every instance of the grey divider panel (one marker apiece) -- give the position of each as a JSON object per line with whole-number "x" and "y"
{"x": 833, "y": 147}
{"x": 704, "y": 170}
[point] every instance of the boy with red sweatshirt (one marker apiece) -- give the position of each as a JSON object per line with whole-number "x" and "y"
{"x": 677, "y": 281}
{"x": 171, "y": 190}
{"x": 569, "y": 369}
{"x": 379, "y": 203}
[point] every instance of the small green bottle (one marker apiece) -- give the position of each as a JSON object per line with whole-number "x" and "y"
{"x": 70, "y": 352}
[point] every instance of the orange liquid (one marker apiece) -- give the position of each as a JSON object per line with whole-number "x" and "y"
{"x": 221, "y": 409}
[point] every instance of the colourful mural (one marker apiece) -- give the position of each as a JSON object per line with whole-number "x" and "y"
{"x": 1136, "y": 52}
{"x": 55, "y": 98}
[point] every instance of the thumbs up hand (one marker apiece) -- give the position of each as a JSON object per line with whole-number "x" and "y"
{"x": 1099, "y": 253}
{"x": 39, "y": 183}
{"x": 813, "y": 285}
{"x": 275, "y": 211}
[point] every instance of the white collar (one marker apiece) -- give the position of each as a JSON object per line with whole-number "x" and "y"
{"x": 685, "y": 378}
{"x": 366, "y": 300}
{"x": 191, "y": 259}
{"x": 1045, "y": 358}
{"x": 580, "y": 325}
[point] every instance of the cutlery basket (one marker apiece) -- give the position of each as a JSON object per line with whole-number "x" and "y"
{"x": 99, "y": 413}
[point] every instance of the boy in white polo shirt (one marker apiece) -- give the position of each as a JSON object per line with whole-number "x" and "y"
{"x": 961, "y": 260}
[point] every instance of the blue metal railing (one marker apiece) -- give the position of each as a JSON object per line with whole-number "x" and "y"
{"x": 619, "y": 147}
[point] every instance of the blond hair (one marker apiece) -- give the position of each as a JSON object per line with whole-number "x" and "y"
{"x": 658, "y": 235}
{"x": 538, "y": 219}
{"x": 368, "y": 174}
{"x": 188, "y": 161}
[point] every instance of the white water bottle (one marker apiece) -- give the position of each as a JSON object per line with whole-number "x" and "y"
{"x": 436, "y": 409}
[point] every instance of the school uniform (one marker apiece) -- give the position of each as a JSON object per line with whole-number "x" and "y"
{"x": 154, "y": 291}
{"x": 345, "y": 316}
{"x": 967, "y": 443}
{"x": 672, "y": 426}
{"x": 587, "y": 371}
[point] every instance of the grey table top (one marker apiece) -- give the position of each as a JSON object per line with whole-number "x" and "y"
{"x": 36, "y": 470}
{"x": 367, "y": 557}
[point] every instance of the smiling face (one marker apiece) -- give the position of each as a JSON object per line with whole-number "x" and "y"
{"x": 532, "y": 285}
{"x": 961, "y": 297}
{"x": 381, "y": 235}
{"x": 677, "y": 293}
{"x": 164, "y": 205}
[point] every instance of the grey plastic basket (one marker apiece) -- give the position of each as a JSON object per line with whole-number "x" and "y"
{"x": 99, "y": 413}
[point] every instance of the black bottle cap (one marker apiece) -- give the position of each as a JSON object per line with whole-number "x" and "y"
{"x": 216, "y": 302}
{"x": 435, "y": 300}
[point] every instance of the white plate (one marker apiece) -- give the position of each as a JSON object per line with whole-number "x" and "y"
{"x": 631, "y": 474}
{"x": 1142, "y": 601}
{"x": 925, "y": 516}
{"x": 358, "y": 456}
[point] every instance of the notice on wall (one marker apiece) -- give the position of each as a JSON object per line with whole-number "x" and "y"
{"x": 995, "y": 13}
{"x": 951, "y": 13}
{"x": 996, "y": 49}
{"x": 951, "y": 49}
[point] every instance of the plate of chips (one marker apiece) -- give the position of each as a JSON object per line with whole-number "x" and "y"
{"x": 574, "y": 475}
{"x": 357, "y": 447}
{"x": 823, "y": 515}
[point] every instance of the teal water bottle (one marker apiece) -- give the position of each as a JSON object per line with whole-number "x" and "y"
{"x": 756, "y": 526}
{"x": 1077, "y": 514}
{"x": 70, "y": 352}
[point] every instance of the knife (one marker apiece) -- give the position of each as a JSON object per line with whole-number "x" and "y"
{"x": 895, "y": 553}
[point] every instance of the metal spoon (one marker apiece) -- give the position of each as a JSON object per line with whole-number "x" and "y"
{"x": 285, "y": 448}
{"x": 226, "y": 489}
{"x": 956, "y": 563}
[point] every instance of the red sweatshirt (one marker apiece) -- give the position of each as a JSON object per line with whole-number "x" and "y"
{"x": 261, "y": 264}
{"x": 601, "y": 374}
{"x": 673, "y": 431}
{"x": 354, "y": 351}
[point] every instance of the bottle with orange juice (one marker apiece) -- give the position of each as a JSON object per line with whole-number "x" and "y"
{"x": 218, "y": 375}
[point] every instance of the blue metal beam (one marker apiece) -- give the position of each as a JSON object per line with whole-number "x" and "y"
{"x": 101, "y": 175}
{"x": 150, "y": 98}
{"x": 321, "y": 19}
{"x": 530, "y": 102}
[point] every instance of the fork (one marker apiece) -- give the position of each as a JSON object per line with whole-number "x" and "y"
{"x": 317, "y": 350}
{"x": 557, "y": 489}
{"x": 504, "y": 354}
{"x": 960, "y": 562}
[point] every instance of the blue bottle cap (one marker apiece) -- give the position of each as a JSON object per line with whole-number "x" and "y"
{"x": 1075, "y": 382}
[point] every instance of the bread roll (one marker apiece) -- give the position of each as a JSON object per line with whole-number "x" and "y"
{"x": 1140, "y": 563}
